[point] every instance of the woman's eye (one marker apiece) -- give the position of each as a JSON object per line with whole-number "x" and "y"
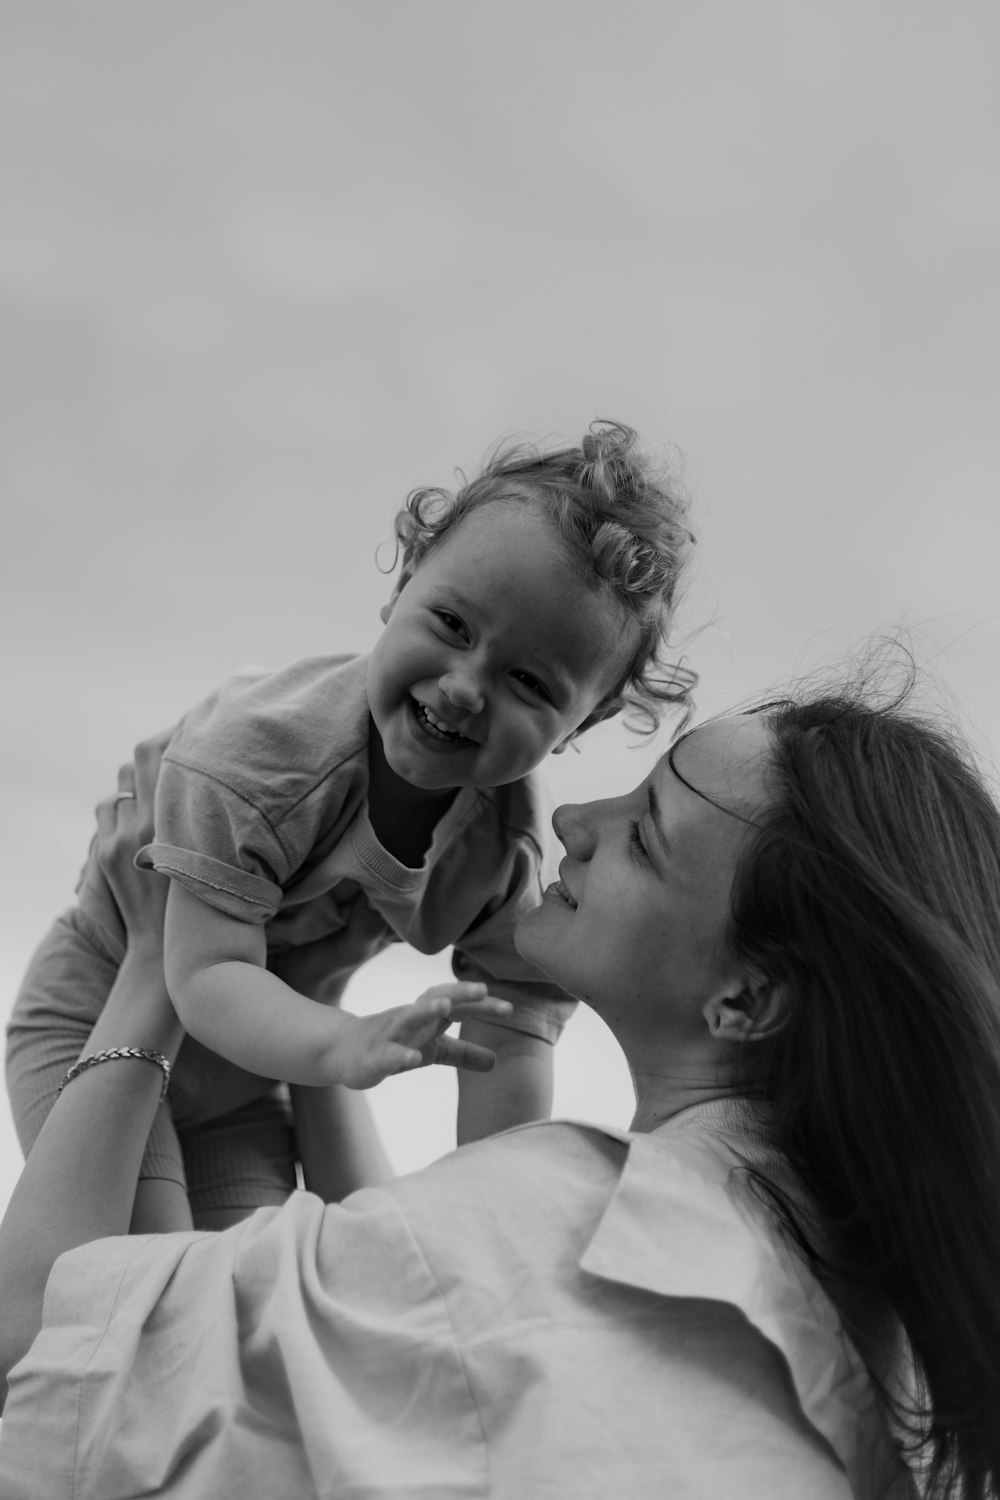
{"x": 635, "y": 840}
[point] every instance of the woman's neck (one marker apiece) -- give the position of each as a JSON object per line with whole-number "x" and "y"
{"x": 653, "y": 1111}
{"x": 674, "y": 1074}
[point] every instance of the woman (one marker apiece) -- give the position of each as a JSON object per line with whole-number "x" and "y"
{"x": 791, "y": 928}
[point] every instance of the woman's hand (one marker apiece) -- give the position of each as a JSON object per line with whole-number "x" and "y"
{"x": 372, "y": 1048}
{"x": 138, "y": 1007}
{"x": 124, "y": 825}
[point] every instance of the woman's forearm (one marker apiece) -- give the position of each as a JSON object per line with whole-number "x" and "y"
{"x": 79, "y": 1181}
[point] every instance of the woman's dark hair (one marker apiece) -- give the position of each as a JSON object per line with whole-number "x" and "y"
{"x": 623, "y": 521}
{"x": 870, "y": 894}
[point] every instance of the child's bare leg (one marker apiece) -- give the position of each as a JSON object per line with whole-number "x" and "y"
{"x": 339, "y": 1147}
{"x": 161, "y": 1207}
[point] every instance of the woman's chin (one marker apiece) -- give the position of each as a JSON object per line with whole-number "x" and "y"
{"x": 529, "y": 938}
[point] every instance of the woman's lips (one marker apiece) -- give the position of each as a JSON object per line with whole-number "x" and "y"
{"x": 559, "y": 891}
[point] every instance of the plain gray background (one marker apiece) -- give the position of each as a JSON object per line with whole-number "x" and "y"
{"x": 265, "y": 267}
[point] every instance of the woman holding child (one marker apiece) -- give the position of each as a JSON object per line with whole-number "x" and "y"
{"x": 780, "y": 1279}
{"x": 780, "y": 1282}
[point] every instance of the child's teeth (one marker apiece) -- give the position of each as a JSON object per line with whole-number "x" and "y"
{"x": 437, "y": 724}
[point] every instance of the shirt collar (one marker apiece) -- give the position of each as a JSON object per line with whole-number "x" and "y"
{"x": 682, "y": 1222}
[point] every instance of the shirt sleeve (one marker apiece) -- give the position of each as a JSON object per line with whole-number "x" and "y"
{"x": 302, "y": 1342}
{"x": 249, "y": 787}
{"x": 540, "y": 1009}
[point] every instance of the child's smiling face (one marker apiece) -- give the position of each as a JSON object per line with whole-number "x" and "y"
{"x": 492, "y": 653}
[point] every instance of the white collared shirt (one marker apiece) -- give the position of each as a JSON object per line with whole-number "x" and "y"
{"x": 556, "y": 1312}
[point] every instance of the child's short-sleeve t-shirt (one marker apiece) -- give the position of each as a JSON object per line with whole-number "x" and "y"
{"x": 262, "y": 811}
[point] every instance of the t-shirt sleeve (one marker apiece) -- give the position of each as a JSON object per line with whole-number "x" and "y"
{"x": 540, "y": 1009}
{"x": 304, "y": 1341}
{"x": 248, "y": 786}
{"x": 217, "y": 841}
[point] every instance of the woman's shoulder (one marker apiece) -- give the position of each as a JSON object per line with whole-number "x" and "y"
{"x": 667, "y": 1218}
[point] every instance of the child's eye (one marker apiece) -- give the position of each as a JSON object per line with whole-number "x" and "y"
{"x": 532, "y": 684}
{"x": 635, "y": 840}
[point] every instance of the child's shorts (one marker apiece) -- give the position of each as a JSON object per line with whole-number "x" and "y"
{"x": 223, "y": 1134}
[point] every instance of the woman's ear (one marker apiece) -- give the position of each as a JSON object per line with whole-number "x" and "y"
{"x": 746, "y": 1015}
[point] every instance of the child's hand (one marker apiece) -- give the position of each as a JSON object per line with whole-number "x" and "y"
{"x": 412, "y": 1036}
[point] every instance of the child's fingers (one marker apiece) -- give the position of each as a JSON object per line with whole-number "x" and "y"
{"x": 490, "y": 1008}
{"x": 420, "y": 1024}
{"x": 446, "y": 1051}
{"x": 415, "y": 1025}
{"x": 394, "y": 1057}
{"x": 466, "y": 1001}
{"x": 455, "y": 991}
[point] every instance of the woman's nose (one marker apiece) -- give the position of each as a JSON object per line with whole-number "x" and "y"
{"x": 574, "y": 828}
{"x": 463, "y": 691}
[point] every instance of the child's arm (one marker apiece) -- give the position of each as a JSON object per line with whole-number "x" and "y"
{"x": 226, "y": 998}
{"x": 518, "y": 1089}
{"x": 337, "y": 1143}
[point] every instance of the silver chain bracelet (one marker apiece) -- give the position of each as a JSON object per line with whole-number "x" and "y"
{"x": 111, "y": 1055}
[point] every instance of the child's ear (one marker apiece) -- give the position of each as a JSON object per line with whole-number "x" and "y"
{"x": 746, "y": 1015}
{"x": 606, "y": 711}
{"x": 390, "y": 604}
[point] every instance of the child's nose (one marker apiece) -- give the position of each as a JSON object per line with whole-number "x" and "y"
{"x": 463, "y": 692}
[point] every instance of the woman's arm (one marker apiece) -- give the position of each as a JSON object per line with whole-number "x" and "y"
{"x": 79, "y": 1181}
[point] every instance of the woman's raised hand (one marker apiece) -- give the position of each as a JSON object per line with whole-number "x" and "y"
{"x": 413, "y": 1036}
{"x": 124, "y": 825}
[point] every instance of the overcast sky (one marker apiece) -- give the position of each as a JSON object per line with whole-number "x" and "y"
{"x": 266, "y": 267}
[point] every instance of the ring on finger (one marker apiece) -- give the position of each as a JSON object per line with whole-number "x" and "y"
{"x": 124, "y": 797}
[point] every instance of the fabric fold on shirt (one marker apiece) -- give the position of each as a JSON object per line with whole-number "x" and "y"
{"x": 562, "y": 1310}
{"x": 683, "y": 1222}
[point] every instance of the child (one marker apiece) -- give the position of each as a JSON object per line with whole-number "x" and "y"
{"x": 345, "y": 803}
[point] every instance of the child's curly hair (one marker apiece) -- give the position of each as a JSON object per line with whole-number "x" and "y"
{"x": 623, "y": 520}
